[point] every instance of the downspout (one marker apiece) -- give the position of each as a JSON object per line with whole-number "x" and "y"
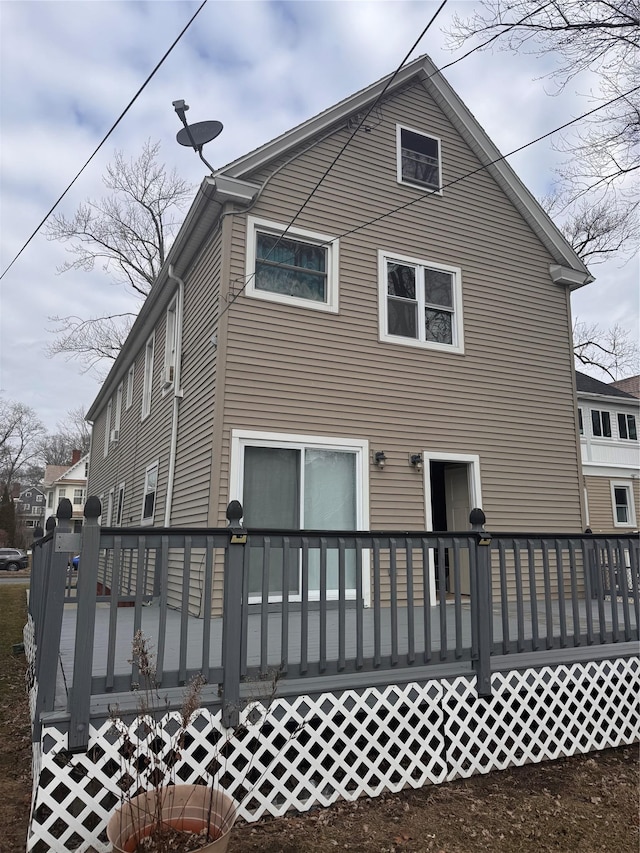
{"x": 177, "y": 396}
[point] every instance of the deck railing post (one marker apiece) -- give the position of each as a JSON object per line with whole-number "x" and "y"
{"x": 35, "y": 580}
{"x": 52, "y": 607}
{"x": 79, "y": 700}
{"x": 481, "y": 608}
{"x": 232, "y": 616}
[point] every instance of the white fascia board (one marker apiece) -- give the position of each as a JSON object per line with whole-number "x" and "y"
{"x": 507, "y": 179}
{"x": 469, "y": 128}
{"x": 609, "y": 399}
{"x": 197, "y": 227}
{"x": 334, "y": 115}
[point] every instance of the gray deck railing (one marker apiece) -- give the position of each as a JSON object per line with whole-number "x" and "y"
{"x": 354, "y": 602}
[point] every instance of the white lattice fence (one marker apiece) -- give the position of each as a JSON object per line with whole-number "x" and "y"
{"x": 537, "y": 715}
{"x": 302, "y": 752}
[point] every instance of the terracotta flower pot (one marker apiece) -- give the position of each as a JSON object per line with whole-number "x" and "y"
{"x": 184, "y": 807}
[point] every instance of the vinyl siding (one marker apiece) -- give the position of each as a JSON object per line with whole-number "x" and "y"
{"x": 601, "y": 518}
{"x": 508, "y": 398}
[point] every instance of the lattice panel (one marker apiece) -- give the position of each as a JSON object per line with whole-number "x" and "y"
{"x": 291, "y": 754}
{"x": 29, "y": 639}
{"x": 536, "y": 715}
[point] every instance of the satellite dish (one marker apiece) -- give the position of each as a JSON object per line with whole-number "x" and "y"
{"x": 198, "y": 134}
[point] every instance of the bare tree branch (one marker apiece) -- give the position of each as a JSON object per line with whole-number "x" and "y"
{"x": 602, "y": 164}
{"x": 128, "y": 233}
{"x": 612, "y": 351}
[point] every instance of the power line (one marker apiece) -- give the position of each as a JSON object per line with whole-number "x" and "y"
{"x": 339, "y": 154}
{"x": 451, "y": 183}
{"x": 109, "y": 132}
{"x": 490, "y": 163}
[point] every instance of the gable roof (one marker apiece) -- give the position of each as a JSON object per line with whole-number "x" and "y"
{"x": 589, "y": 385}
{"x": 631, "y": 384}
{"x": 231, "y": 183}
{"x": 573, "y": 272}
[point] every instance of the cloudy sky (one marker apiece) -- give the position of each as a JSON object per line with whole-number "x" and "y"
{"x": 68, "y": 69}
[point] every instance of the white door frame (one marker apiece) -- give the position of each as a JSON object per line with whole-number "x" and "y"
{"x": 472, "y": 461}
{"x": 241, "y": 438}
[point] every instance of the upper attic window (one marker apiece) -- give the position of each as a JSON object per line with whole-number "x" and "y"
{"x": 418, "y": 159}
{"x": 297, "y": 268}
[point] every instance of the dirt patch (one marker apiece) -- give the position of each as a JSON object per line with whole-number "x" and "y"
{"x": 587, "y": 804}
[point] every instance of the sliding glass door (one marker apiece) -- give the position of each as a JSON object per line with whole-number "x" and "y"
{"x": 299, "y": 488}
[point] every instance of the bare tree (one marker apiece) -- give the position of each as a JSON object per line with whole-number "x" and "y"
{"x": 73, "y": 434}
{"x": 20, "y": 434}
{"x": 612, "y": 351}
{"x": 596, "y": 196}
{"x": 128, "y": 233}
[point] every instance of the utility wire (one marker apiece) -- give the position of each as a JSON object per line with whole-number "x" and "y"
{"x": 338, "y": 155}
{"x": 361, "y": 123}
{"x": 451, "y": 183}
{"x": 110, "y": 131}
{"x": 486, "y": 165}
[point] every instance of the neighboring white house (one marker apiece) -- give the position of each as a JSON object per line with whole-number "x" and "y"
{"x": 67, "y": 481}
{"x": 609, "y": 420}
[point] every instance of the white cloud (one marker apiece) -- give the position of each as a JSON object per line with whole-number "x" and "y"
{"x": 68, "y": 70}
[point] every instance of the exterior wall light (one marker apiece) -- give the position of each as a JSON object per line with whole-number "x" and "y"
{"x": 416, "y": 460}
{"x": 380, "y": 459}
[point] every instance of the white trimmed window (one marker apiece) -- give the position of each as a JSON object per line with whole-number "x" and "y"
{"x": 107, "y": 429}
{"x": 130, "y": 379}
{"x": 624, "y": 514}
{"x": 148, "y": 376}
{"x": 420, "y": 303}
{"x": 109, "y": 516}
{"x": 171, "y": 345}
{"x": 580, "y": 422}
{"x": 294, "y": 482}
{"x": 601, "y": 423}
{"x": 149, "y": 497}
{"x": 78, "y": 497}
{"x": 115, "y": 432}
{"x": 627, "y": 426}
{"x": 120, "y": 505}
{"x": 298, "y": 268}
{"x": 419, "y": 163}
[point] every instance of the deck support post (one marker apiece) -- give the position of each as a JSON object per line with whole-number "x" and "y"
{"x": 232, "y": 616}
{"x": 482, "y": 607}
{"x": 51, "y": 610}
{"x": 79, "y": 700}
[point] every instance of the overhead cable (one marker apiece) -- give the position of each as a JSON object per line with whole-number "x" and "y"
{"x": 108, "y": 134}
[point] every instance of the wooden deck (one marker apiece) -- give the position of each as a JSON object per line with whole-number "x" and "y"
{"x": 570, "y": 626}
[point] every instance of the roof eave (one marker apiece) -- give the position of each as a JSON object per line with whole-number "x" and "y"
{"x": 205, "y": 209}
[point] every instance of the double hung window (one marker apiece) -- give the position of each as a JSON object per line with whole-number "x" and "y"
{"x": 298, "y": 267}
{"x": 148, "y": 376}
{"x": 149, "y": 498}
{"x": 627, "y": 426}
{"x": 420, "y": 303}
{"x": 130, "y": 380}
{"x": 418, "y": 159}
{"x": 171, "y": 344}
{"x": 623, "y": 507}
{"x": 293, "y": 483}
{"x": 601, "y": 423}
{"x": 120, "y": 505}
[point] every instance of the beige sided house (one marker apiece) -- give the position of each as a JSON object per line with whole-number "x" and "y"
{"x": 609, "y": 419}
{"x": 401, "y": 354}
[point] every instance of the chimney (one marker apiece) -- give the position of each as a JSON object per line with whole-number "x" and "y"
{"x": 75, "y": 456}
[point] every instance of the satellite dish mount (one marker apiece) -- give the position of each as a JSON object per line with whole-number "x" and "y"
{"x": 196, "y": 135}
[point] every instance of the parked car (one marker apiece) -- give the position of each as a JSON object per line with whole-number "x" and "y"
{"x": 13, "y": 559}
